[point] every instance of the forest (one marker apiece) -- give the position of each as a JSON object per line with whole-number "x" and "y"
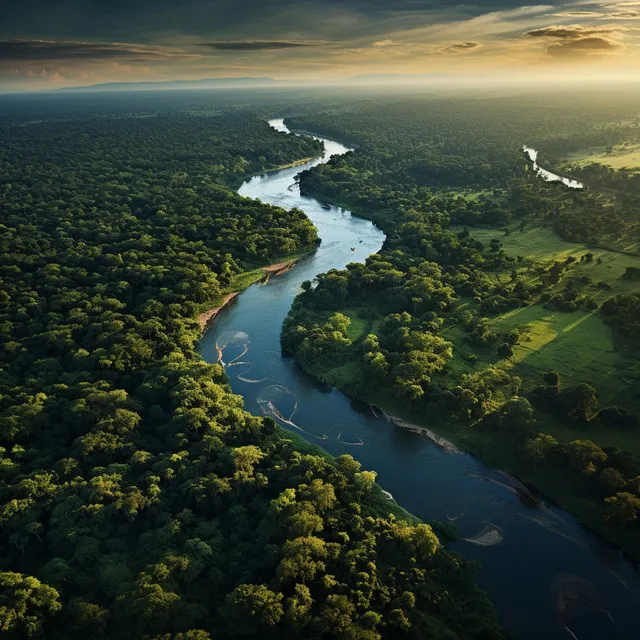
{"x": 138, "y": 499}
{"x": 501, "y": 309}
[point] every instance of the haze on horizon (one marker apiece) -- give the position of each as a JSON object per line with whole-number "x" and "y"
{"x": 50, "y": 44}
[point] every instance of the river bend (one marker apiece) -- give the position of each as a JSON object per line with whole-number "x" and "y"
{"x": 536, "y": 560}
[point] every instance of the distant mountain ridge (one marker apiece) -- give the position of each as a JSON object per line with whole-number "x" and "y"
{"x": 208, "y": 83}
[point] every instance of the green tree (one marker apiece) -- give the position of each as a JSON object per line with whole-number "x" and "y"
{"x": 26, "y": 605}
{"x": 250, "y": 608}
{"x": 623, "y": 508}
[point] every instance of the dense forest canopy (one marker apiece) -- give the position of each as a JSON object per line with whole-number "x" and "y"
{"x": 138, "y": 498}
{"x": 502, "y": 308}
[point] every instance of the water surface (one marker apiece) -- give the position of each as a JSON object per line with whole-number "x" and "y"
{"x": 549, "y": 176}
{"x": 535, "y": 559}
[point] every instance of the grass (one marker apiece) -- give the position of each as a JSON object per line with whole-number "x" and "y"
{"x": 579, "y": 345}
{"x": 360, "y": 326}
{"x": 475, "y": 195}
{"x": 295, "y": 163}
{"x": 620, "y": 157}
{"x": 542, "y": 245}
{"x": 246, "y": 279}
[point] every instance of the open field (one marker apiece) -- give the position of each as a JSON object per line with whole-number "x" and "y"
{"x": 542, "y": 244}
{"x": 580, "y": 345}
{"x": 623, "y": 156}
{"x": 556, "y": 341}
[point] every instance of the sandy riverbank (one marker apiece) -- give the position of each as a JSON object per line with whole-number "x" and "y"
{"x": 439, "y": 441}
{"x": 279, "y": 267}
{"x": 205, "y": 319}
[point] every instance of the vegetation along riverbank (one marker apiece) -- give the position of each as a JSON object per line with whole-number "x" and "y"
{"x": 138, "y": 499}
{"x": 503, "y": 310}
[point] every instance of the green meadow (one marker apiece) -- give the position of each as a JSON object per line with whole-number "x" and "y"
{"x": 541, "y": 244}
{"x": 579, "y": 345}
{"x": 625, "y": 156}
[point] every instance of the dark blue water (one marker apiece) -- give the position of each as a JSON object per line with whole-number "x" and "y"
{"x": 536, "y": 561}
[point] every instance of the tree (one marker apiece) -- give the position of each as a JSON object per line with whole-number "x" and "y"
{"x": 623, "y": 508}
{"x": 505, "y": 350}
{"x": 425, "y": 540}
{"x": 302, "y": 559}
{"x": 581, "y": 402}
{"x": 516, "y": 415}
{"x": 611, "y": 480}
{"x": 541, "y": 447}
{"x": 26, "y": 605}
{"x": 584, "y": 455}
{"x": 251, "y": 607}
{"x": 617, "y": 417}
{"x": 552, "y": 379}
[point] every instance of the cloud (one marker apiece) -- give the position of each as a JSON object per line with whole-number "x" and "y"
{"x": 571, "y": 31}
{"x": 625, "y": 15}
{"x": 304, "y": 39}
{"x": 581, "y": 47}
{"x": 259, "y": 45}
{"x": 579, "y": 14}
{"x": 384, "y": 43}
{"x": 461, "y": 47}
{"x": 45, "y": 50}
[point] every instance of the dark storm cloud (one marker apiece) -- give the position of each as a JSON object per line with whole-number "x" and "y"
{"x": 256, "y": 45}
{"x": 42, "y": 50}
{"x": 584, "y": 46}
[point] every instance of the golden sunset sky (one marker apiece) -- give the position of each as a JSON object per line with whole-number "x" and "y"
{"x": 52, "y": 44}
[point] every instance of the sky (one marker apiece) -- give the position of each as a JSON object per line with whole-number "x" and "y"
{"x": 48, "y": 44}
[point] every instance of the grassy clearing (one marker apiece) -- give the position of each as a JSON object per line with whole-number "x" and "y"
{"x": 620, "y": 157}
{"x": 579, "y": 345}
{"x": 542, "y": 244}
{"x": 295, "y": 163}
{"x": 360, "y": 326}
{"x": 246, "y": 279}
{"x": 475, "y": 195}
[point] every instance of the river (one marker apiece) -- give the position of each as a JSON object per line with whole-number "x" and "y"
{"x": 534, "y": 557}
{"x": 547, "y": 175}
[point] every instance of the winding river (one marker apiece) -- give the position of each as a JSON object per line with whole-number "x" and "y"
{"x": 547, "y": 577}
{"x": 547, "y": 175}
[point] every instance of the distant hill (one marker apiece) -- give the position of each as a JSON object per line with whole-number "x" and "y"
{"x": 209, "y": 83}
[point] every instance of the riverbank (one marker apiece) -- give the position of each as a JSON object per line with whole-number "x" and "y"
{"x": 242, "y": 282}
{"x": 499, "y": 451}
{"x": 581, "y": 496}
{"x": 425, "y": 479}
{"x": 296, "y": 163}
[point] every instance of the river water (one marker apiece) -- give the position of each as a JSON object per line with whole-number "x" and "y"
{"x": 535, "y": 559}
{"x": 547, "y": 175}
